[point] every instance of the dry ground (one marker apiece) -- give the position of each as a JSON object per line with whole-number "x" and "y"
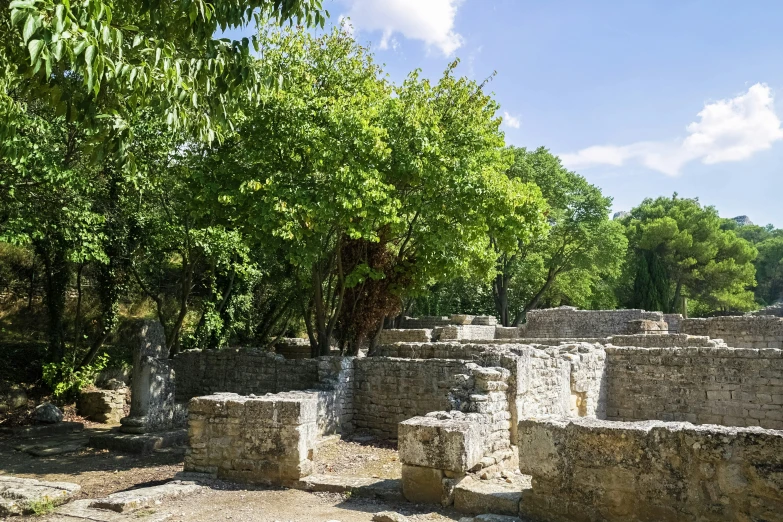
{"x": 100, "y": 473}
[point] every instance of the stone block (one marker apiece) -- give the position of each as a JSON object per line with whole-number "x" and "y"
{"x": 473, "y": 497}
{"x": 445, "y": 444}
{"x": 420, "y": 484}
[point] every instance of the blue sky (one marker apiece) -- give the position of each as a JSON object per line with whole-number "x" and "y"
{"x": 643, "y": 98}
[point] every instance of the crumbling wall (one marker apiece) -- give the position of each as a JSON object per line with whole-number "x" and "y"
{"x": 293, "y": 348}
{"x": 388, "y": 391}
{"x": 437, "y": 450}
{"x": 664, "y": 341}
{"x": 567, "y": 322}
{"x": 588, "y": 469}
{"x": 260, "y": 440}
{"x": 240, "y": 370}
{"x": 728, "y": 386}
{"x": 739, "y": 331}
{"x": 105, "y": 406}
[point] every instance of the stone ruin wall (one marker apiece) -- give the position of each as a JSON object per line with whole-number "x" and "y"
{"x": 590, "y": 469}
{"x": 568, "y": 322}
{"x": 714, "y": 385}
{"x": 739, "y": 331}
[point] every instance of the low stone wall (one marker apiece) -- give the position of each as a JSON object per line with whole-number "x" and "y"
{"x": 591, "y": 470}
{"x": 728, "y": 386}
{"x": 105, "y": 406}
{"x": 665, "y": 341}
{"x": 464, "y": 332}
{"x": 569, "y": 322}
{"x": 388, "y": 391}
{"x": 739, "y": 331}
{"x": 244, "y": 371}
{"x": 410, "y": 335}
{"x": 424, "y": 322}
{"x": 293, "y": 348}
{"x": 260, "y": 440}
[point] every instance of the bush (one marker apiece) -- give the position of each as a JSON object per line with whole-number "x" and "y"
{"x": 66, "y": 382}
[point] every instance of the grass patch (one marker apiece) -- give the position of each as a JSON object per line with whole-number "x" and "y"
{"x": 42, "y": 506}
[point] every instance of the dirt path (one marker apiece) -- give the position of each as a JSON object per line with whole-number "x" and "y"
{"x": 292, "y": 506}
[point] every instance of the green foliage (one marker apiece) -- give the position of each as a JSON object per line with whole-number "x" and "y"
{"x": 41, "y": 507}
{"x": 581, "y": 244}
{"x": 66, "y": 381}
{"x": 701, "y": 259}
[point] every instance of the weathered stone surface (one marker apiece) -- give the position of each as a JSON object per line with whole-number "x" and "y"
{"x": 105, "y": 406}
{"x": 446, "y": 444}
{"x": 153, "y": 406}
{"x": 567, "y": 321}
{"x": 587, "y": 469}
{"x": 474, "y": 497}
{"x": 488, "y": 517}
{"x": 421, "y": 484}
{"x": 389, "y": 516}
{"x": 80, "y": 511}
{"x": 143, "y": 443}
{"x": 47, "y": 413}
{"x": 16, "y": 494}
{"x": 387, "y": 489}
{"x": 45, "y": 430}
{"x": 413, "y": 335}
{"x": 739, "y": 331}
{"x": 133, "y": 499}
{"x": 705, "y": 385}
{"x": 266, "y": 440}
{"x": 12, "y": 398}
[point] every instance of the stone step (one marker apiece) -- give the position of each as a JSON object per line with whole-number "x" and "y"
{"x": 475, "y": 497}
{"x": 134, "y": 499}
{"x": 17, "y": 495}
{"x": 43, "y": 430}
{"x": 138, "y": 443}
{"x": 387, "y": 489}
{"x": 80, "y": 511}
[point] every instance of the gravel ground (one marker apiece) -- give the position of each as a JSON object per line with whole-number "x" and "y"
{"x": 292, "y": 506}
{"x": 361, "y": 457}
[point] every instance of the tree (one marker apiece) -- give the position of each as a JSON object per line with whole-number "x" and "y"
{"x": 135, "y": 54}
{"x": 701, "y": 260}
{"x": 580, "y": 237}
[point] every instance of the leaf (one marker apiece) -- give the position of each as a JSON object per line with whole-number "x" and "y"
{"x": 59, "y": 16}
{"x": 29, "y": 27}
{"x": 137, "y": 40}
{"x": 35, "y": 46}
{"x": 17, "y": 15}
{"x": 89, "y": 55}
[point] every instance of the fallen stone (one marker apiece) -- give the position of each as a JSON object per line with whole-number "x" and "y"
{"x": 12, "y": 399}
{"x": 386, "y": 489}
{"x": 490, "y": 518}
{"x": 19, "y": 495}
{"x": 144, "y": 497}
{"x": 45, "y": 430}
{"x": 80, "y": 511}
{"x": 389, "y": 516}
{"x": 138, "y": 443}
{"x": 423, "y": 485}
{"x": 47, "y": 413}
{"x": 40, "y": 450}
{"x": 475, "y": 497}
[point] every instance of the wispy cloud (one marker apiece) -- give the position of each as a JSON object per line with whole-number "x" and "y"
{"x": 726, "y": 130}
{"x": 510, "y": 121}
{"x": 431, "y": 21}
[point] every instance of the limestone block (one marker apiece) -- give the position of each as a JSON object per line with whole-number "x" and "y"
{"x": 16, "y": 494}
{"x": 421, "y": 484}
{"x": 474, "y": 497}
{"x": 417, "y": 335}
{"x": 444, "y": 444}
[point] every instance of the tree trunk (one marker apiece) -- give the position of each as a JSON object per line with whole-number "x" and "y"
{"x": 676, "y": 299}
{"x": 57, "y": 278}
{"x": 534, "y": 302}
{"x": 77, "y": 328}
{"x": 500, "y": 295}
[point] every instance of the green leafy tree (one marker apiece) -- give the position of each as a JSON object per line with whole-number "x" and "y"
{"x": 702, "y": 261}
{"x": 580, "y": 238}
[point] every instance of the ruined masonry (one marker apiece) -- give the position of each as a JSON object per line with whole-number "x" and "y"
{"x": 616, "y": 415}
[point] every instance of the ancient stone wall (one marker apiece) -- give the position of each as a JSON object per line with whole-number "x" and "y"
{"x": 388, "y": 391}
{"x": 664, "y": 341}
{"x": 739, "y": 331}
{"x": 569, "y": 322}
{"x": 259, "y": 440}
{"x": 588, "y": 469}
{"x": 424, "y": 322}
{"x": 105, "y": 406}
{"x": 243, "y": 371}
{"x": 293, "y": 348}
{"x": 405, "y": 335}
{"x": 732, "y": 387}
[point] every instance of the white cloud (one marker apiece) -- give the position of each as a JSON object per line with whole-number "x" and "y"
{"x": 510, "y": 121}
{"x": 727, "y": 130}
{"x": 431, "y": 21}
